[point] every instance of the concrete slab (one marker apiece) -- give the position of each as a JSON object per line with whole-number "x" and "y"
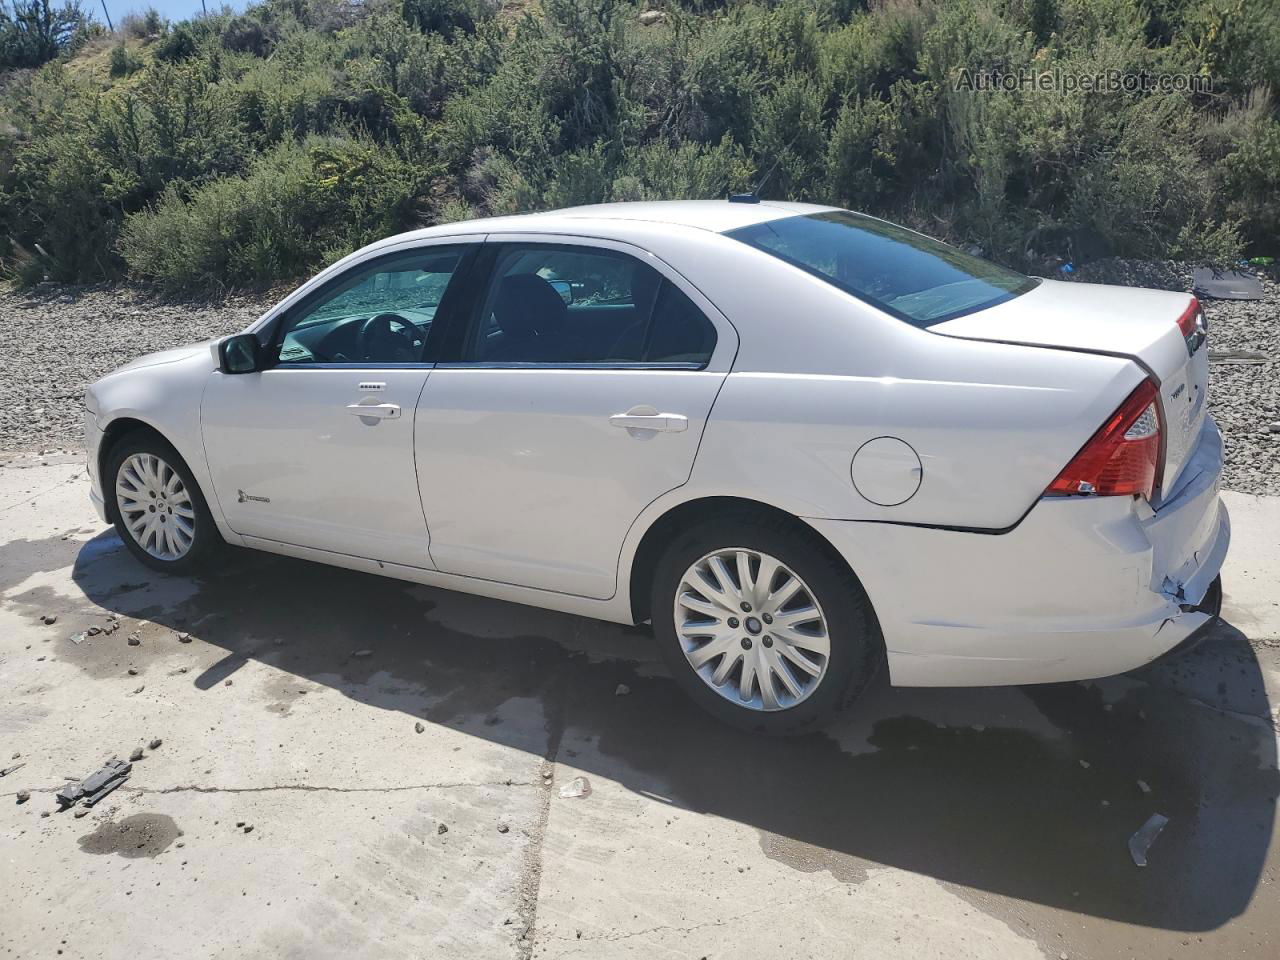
{"x": 975, "y": 823}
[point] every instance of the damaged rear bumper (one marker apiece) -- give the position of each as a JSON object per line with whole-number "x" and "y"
{"x": 1084, "y": 587}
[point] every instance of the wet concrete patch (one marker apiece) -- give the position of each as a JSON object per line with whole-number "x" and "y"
{"x": 141, "y": 835}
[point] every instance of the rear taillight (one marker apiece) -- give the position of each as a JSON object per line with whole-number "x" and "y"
{"x": 1193, "y": 325}
{"x": 1123, "y": 457}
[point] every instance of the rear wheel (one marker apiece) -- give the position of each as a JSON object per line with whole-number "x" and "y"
{"x": 760, "y": 626}
{"x": 156, "y": 506}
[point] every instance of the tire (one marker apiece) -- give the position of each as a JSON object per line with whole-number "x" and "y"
{"x": 174, "y": 480}
{"x": 854, "y": 647}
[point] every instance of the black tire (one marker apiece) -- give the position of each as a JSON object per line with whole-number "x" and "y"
{"x": 856, "y": 645}
{"x": 206, "y": 541}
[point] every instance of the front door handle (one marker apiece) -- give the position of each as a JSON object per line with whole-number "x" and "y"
{"x": 379, "y": 411}
{"x": 664, "y": 422}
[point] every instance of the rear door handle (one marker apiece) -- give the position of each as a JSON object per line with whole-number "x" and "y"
{"x": 381, "y": 411}
{"x": 664, "y": 422}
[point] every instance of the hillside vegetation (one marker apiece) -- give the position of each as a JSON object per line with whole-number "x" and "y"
{"x": 238, "y": 150}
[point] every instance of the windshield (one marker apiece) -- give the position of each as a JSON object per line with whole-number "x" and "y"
{"x": 911, "y": 276}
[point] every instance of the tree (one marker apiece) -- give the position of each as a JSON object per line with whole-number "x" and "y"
{"x": 33, "y": 32}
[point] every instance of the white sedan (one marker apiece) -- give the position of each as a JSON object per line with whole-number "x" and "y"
{"x": 803, "y": 442}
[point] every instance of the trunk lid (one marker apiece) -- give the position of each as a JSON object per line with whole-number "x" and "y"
{"x": 1121, "y": 321}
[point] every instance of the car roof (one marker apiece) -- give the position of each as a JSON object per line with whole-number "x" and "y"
{"x": 612, "y": 219}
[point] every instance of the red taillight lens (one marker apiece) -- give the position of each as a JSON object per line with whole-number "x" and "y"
{"x": 1187, "y": 321}
{"x": 1123, "y": 457}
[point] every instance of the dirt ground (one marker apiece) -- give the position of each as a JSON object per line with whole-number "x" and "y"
{"x": 353, "y": 766}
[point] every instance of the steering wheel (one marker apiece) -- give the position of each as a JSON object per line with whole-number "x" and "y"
{"x": 378, "y": 340}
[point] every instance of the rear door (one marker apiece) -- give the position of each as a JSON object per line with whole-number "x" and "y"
{"x": 576, "y": 394}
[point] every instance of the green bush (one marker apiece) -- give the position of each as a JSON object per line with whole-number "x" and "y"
{"x": 297, "y": 207}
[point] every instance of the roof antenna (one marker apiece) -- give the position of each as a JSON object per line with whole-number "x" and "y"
{"x": 753, "y": 196}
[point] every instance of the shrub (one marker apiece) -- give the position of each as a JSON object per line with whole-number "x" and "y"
{"x": 297, "y": 207}
{"x": 124, "y": 61}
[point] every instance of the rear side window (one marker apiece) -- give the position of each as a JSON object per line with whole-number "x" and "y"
{"x": 914, "y": 278}
{"x": 569, "y": 305}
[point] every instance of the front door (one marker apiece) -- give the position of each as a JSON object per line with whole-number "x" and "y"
{"x": 577, "y": 396}
{"x": 317, "y": 450}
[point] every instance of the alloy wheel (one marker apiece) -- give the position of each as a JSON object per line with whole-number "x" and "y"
{"x": 752, "y": 629}
{"x": 155, "y": 506}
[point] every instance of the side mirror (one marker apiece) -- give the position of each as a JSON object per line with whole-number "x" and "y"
{"x": 242, "y": 353}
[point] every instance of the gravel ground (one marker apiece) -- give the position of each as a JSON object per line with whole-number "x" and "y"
{"x": 59, "y": 339}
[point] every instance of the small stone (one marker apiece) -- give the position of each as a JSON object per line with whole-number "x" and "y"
{"x": 50, "y": 618}
{"x": 442, "y": 829}
{"x": 1144, "y": 786}
{"x": 650, "y": 17}
{"x": 184, "y": 638}
{"x": 93, "y": 631}
{"x": 248, "y": 828}
{"x": 140, "y": 688}
{"x": 226, "y": 683}
{"x": 43, "y": 814}
{"x": 1085, "y": 764}
{"x": 503, "y": 828}
{"x": 133, "y": 640}
{"x": 155, "y": 744}
{"x": 363, "y": 653}
{"x": 23, "y": 796}
{"x": 136, "y": 755}
{"x": 239, "y": 823}
{"x": 80, "y": 812}
{"x": 133, "y": 672}
{"x": 621, "y": 690}
{"x": 418, "y": 727}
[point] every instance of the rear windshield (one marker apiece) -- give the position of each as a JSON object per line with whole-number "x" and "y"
{"x": 919, "y": 280}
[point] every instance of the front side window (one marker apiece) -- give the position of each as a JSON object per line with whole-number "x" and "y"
{"x": 581, "y": 305}
{"x": 377, "y": 313}
{"x": 906, "y": 274}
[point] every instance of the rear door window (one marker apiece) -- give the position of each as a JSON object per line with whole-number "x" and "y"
{"x": 567, "y": 305}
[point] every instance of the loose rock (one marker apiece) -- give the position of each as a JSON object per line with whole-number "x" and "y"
{"x": 621, "y": 690}
{"x": 136, "y": 755}
{"x": 418, "y": 727}
{"x": 155, "y": 744}
{"x": 134, "y": 640}
{"x": 442, "y": 829}
{"x": 23, "y": 796}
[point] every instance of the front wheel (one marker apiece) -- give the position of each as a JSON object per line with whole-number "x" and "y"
{"x": 156, "y": 506}
{"x": 761, "y": 627}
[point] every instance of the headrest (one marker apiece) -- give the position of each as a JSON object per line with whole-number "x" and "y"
{"x": 527, "y": 305}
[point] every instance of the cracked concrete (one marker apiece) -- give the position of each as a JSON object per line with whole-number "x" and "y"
{"x": 980, "y": 824}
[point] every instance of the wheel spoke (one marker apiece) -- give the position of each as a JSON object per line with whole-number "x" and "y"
{"x": 715, "y": 647}
{"x": 818, "y": 643}
{"x": 791, "y": 618}
{"x": 746, "y": 680}
{"x": 725, "y": 666}
{"x": 779, "y": 670}
{"x": 799, "y": 659}
{"x": 765, "y": 675}
{"x": 746, "y": 584}
{"x": 777, "y": 600}
{"x": 693, "y": 602}
{"x": 720, "y": 570}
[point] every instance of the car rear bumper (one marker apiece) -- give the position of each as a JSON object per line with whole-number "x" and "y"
{"x": 1083, "y": 587}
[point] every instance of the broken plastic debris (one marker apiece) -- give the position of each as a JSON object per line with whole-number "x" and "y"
{"x": 1144, "y": 786}
{"x": 1141, "y": 841}
{"x": 77, "y": 638}
{"x": 577, "y": 787}
{"x": 95, "y": 786}
{"x": 622, "y": 690}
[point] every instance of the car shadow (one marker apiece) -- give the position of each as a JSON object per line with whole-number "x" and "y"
{"x": 1027, "y": 792}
